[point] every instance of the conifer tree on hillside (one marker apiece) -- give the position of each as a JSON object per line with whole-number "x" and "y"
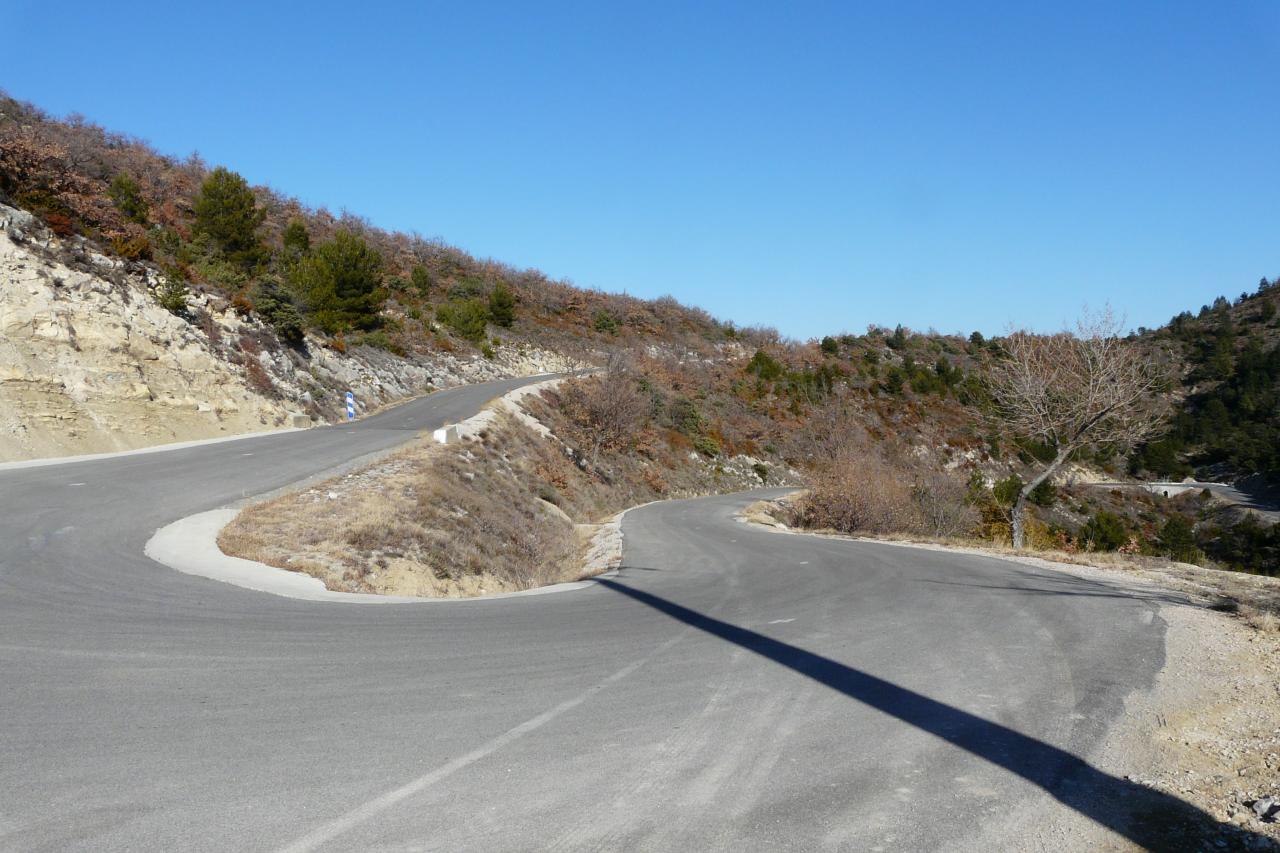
{"x": 226, "y": 212}
{"x": 338, "y": 284}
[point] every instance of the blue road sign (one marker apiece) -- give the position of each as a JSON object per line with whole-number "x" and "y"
{"x": 351, "y": 406}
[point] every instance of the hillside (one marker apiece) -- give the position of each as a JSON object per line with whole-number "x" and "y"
{"x": 149, "y": 299}
{"x": 1228, "y": 425}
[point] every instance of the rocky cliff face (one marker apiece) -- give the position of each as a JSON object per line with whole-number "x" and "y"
{"x": 90, "y": 361}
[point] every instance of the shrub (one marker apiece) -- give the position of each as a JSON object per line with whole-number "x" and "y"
{"x": 468, "y": 288}
{"x": 258, "y": 378}
{"x": 127, "y": 197}
{"x": 605, "y": 323}
{"x": 420, "y": 278}
{"x": 137, "y": 248}
{"x": 764, "y": 365}
{"x": 1106, "y": 531}
{"x": 297, "y": 242}
{"x": 706, "y": 445}
{"x": 172, "y": 295}
{"x": 60, "y": 224}
{"x": 502, "y": 306}
{"x": 829, "y": 345}
{"x": 685, "y": 417}
{"x": 895, "y": 380}
{"x": 276, "y": 307}
{"x": 860, "y": 493}
{"x": 380, "y": 340}
{"x": 226, "y": 211}
{"x": 487, "y": 351}
{"x": 604, "y": 412}
{"x": 467, "y": 318}
{"x": 338, "y": 284}
{"x": 220, "y": 271}
{"x": 762, "y": 471}
{"x": 242, "y": 304}
{"x": 1177, "y": 539}
{"x": 1044, "y": 494}
{"x": 1006, "y": 491}
{"x": 942, "y": 503}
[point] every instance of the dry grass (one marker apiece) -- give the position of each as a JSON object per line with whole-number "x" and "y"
{"x": 431, "y": 520}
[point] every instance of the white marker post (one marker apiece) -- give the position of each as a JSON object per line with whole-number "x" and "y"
{"x": 351, "y": 406}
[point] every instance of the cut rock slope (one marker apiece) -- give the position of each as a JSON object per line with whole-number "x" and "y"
{"x": 91, "y": 362}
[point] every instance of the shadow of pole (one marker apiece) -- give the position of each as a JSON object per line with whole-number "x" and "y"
{"x": 1149, "y": 818}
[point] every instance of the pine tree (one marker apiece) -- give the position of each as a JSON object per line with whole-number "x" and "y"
{"x": 338, "y": 284}
{"x": 502, "y": 306}
{"x": 227, "y": 213}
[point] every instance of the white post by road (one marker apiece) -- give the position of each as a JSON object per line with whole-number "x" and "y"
{"x": 351, "y": 406}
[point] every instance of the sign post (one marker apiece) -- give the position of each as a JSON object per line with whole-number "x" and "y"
{"x": 351, "y": 406}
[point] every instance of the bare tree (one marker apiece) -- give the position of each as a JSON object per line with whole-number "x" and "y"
{"x": 1074, "y": 389}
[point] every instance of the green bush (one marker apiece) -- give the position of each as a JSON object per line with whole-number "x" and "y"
{"x": 466, "y": 318}
{"x": 706, "y": 445}
{"x": 469, "y": 288}
{"x": 1177, "y": 539}
{"x": 605, "y": 323}
{"x": 1006, "y": 491}
{"x": 338, "y": 284}
{"x": 276, "y": 307}
{"x": 219, "y": 271}
{"x": 1044, "y": 494}
{"x": 685, "y": 417}
{"x": 380, "y": 340}
{"x": 895, "y": 380}
{"x": 1106, "y": 531}
{"x": 762, "y": 471}
{"x": 502, "y": 306}
{"x": 127, "y": 197}
{"x": 297, "y": 242}
{"x": 764, "y": 365}
{"x": 829, "y": 345}
{"x": 172, "y": 295}
{"x": 227, "y": 213}
{"x": 420, "y": 278}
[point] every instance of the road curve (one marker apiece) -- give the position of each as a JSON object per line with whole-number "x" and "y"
{"x": 732, "y": 689}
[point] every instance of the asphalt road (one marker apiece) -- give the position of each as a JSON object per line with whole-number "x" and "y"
{"x": 731, "y": 689}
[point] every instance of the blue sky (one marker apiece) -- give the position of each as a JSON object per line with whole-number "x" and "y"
{"x": 815, "y": 167}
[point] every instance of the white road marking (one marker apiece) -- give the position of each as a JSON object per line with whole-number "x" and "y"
{"x": 75, "y": 484}
{"x": 328, "y": 831}
{"x": 781, "y": 621}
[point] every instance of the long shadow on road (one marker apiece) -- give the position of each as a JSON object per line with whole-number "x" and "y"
{"x": 1149, "y": 818}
